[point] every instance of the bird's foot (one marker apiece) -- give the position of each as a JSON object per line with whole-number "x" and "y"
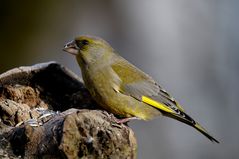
{"x": 125, "y": 120}
{"x": 119, "y": 122}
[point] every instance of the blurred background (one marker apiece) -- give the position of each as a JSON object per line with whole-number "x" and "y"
{"x": 190, "y": 47}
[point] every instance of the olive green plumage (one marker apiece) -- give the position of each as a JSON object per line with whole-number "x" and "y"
{"x": 120, "y": 87}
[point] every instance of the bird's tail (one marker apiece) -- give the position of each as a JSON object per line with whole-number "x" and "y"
{"x": 177, "y": 113}
{"x": 183, "y": 117}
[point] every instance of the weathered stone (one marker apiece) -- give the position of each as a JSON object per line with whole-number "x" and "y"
{"x": 31, "y": 127}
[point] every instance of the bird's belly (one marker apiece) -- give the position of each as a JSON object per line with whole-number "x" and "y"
{"x": 127, "y": 106}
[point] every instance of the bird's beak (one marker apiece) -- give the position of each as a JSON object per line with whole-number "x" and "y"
{"x": 71, "y": 48}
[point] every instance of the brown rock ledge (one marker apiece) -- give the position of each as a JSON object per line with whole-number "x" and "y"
{"x": 46, "y": 112}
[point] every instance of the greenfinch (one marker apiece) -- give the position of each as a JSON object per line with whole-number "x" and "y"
{"x": 120, "y": 87}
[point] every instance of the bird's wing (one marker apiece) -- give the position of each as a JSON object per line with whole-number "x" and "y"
{"x": 137, "y": 84}
{"x": 142, "y": 87}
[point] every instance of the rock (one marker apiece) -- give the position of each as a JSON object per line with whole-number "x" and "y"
{"x": 98, "y": 136}
{"x": 46, "y": 112}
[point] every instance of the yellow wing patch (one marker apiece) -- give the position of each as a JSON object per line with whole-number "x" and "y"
{"x": 156, "y": 104}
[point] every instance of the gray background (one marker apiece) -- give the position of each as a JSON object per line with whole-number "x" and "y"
{"x": 190, "y": 47}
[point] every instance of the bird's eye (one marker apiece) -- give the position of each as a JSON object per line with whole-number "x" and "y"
{"x": 82, "y": 43}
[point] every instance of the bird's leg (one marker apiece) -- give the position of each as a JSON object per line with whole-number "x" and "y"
{"x": 120, "y": 121}
{"x": 125, "y": 120}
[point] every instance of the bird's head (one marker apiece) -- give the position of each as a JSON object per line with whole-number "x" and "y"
{"x": 88, "y": 49}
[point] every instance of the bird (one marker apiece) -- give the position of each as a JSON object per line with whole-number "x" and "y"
{"x": 121, "y": 88}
